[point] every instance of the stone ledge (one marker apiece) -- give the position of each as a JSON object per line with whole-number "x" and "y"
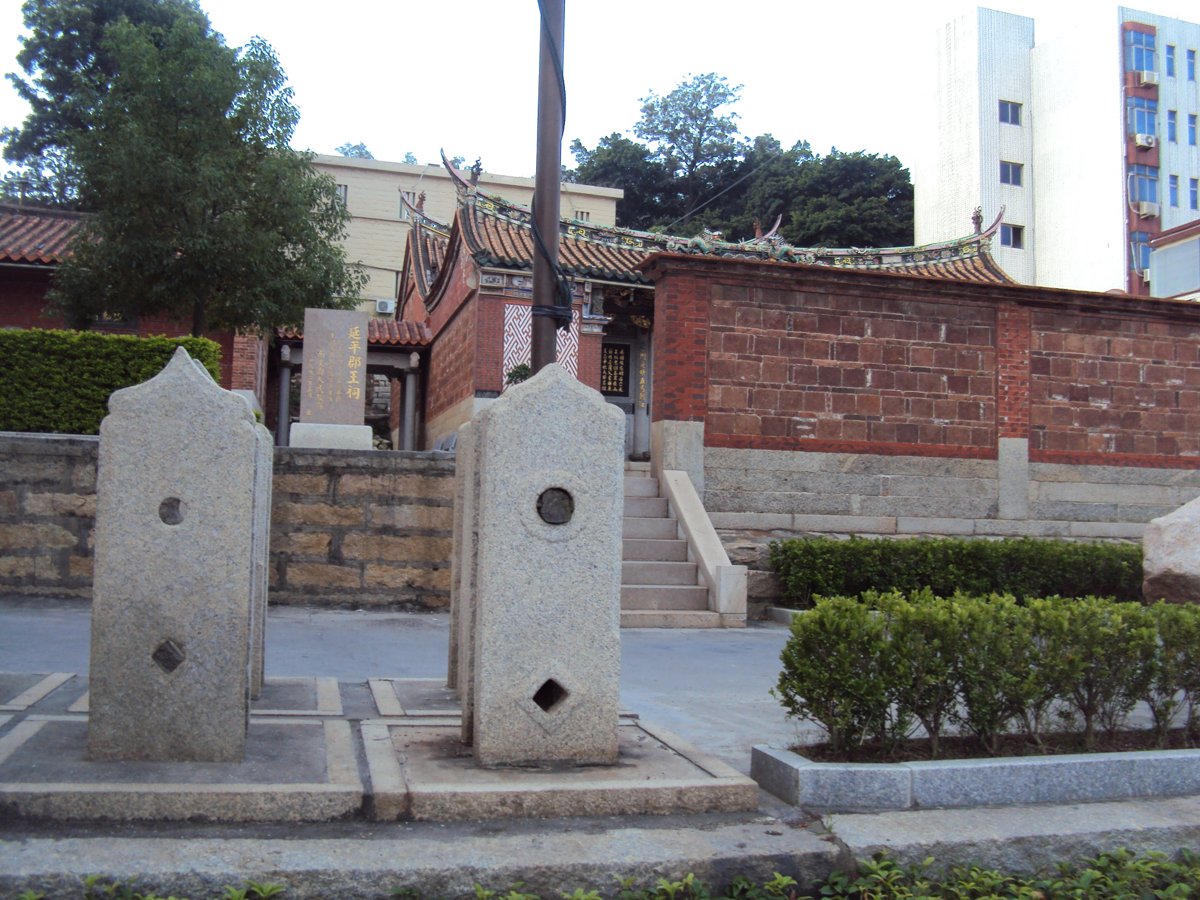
{"x": 948, "y": 784}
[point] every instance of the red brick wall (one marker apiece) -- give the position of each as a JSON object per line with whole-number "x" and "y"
{"x": 489, "y": 352}
{"x": 1123, "y": 390}
{"x": 589, "y": 359}
{"x": 452, "y": 362}
{"x": 799, "y": 358}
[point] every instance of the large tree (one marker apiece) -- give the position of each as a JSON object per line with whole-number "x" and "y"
{"x": 204, "y": 213}
{"x": 651, "y": 197}
{"x": 67, "y": 71}
{"x": 689, "y": 132}
{"x": 852, "y": 200}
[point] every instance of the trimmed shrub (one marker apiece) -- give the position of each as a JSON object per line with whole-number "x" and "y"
{"x": 60, "y": 381}
{"x": 1023, "y": 567}
{"x": 865, "y": 668}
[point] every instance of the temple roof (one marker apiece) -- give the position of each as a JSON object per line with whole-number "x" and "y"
{"x": 35, "y": 236}
{"x": 498, "y": 234}
{"x": 381, "y": 332}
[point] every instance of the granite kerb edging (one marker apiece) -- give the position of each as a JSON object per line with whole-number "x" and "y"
{"x": 948, "y": 784}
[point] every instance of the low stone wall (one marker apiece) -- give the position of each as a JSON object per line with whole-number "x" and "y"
{"x": 47, "y": 511}
{"x": 756, "y": 496}
{"x": 356, "y": 528}
{"x": 349, "y": 528}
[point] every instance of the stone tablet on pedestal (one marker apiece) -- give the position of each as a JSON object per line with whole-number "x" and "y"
{"x": 179, "y": 518}
{"x": 547, "y": 575}
{"x": 333, "y": 381}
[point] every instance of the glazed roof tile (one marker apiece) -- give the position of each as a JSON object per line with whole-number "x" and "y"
{"x": 499, "y": 234}
{"x": 380, "y": 332}
{"x": 35, "y": 236}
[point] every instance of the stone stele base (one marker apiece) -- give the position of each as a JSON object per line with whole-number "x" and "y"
{"x": 330, "y": 437}
{"x": 300, "y": 764}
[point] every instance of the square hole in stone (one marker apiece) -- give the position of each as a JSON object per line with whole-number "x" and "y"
{"x": 549, "y": 695}
{"x": 168, "y": 656}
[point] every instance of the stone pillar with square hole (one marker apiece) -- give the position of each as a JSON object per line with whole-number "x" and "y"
{"x": 178, "y": 591}
{"x": 545, "y": 591}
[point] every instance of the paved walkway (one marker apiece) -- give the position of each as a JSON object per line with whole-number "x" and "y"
{"x": 709, "y": 687}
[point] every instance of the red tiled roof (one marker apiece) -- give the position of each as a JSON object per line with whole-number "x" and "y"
{"x": 380, "y": 332}
{"x": 499, "y": 234}
{"x": 36, "y": 236}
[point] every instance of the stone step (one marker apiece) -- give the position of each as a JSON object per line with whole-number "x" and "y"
{"x": 654, "y": 529}
{"x": 641, "y": 486}
{"x": 650, "y": 507}
{"x": 642, "y": 467}
{"x": 669, "y": 619}
{"x": 658, "y": 573}
{"x": 650, "y": 550}
{"x": 664, "y": 596}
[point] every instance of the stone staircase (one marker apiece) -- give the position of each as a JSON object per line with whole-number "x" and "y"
{"x": 660, "y": 586}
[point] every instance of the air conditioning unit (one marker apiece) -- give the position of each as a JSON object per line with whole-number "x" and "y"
{"x": 1145, "y": 141}
{"x": 385, "y": 307}
{"x": 1146, "y": 209}
{"x": 1146, "y": 275}
{"x": 1148, "y": 77}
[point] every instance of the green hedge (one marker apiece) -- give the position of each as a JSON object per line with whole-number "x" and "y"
{"x": 870, "y": 668}
{"x": 60, "y": 381}
{"x": 1023, "y": 567}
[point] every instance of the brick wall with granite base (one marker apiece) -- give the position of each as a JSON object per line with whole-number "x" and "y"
{"x": 347, "y": 528}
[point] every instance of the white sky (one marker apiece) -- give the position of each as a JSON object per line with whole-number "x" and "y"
{"x": 405, "y": 76}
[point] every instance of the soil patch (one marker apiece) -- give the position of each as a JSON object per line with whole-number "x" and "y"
{"x": 967, "y": 747}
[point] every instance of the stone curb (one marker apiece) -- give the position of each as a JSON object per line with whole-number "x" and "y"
{"x": 950, "y": 784}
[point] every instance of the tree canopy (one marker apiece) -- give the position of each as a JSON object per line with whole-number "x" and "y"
{"x": 695, "y": 171}
{"x": 202, "y": 211}
{"x": 355, "y": 151}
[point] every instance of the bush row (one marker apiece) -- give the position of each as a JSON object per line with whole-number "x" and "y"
{"x": 1117, "y": 874}
{"x": 60, "y": 381}
{"x": 871, "y": 668}
{"x": 1023, "y": 567}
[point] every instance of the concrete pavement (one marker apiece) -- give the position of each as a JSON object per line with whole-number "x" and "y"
{"x": 711, "y": 688}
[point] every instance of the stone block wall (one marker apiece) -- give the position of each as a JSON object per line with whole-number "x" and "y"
{"x": 348, "y": 528}
{"x": 47, "y": 513}
{"x": 362, "y": 529}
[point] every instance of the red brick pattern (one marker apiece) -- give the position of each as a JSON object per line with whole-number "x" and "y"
{"x": 1105, "y": 386}
{"x": 1012, "y": 371}
{"x": 489, "y": 352}
{"x": 681, "y": 349}
{"x": 452, "y": 362}
{"x": 795, "y": 369}
{"x": 589, "y": 359}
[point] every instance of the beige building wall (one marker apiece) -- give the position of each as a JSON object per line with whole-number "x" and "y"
{"x": 378, "y": 227}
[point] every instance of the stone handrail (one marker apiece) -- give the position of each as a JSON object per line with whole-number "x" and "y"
{"x": 726, "y": 582}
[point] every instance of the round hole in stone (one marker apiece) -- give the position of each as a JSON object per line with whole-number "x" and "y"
{"x": 555, "y": 506}
{"x": 171, "y": 511}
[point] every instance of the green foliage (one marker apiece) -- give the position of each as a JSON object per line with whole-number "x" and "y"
{"x": 205, "y": 214}
{"x": 1023, "y": 567}
{"x": 851, "y": 200}
{"x": 68, "y": 70}
{"x": 863, "y": 668}
{"x": 518, "y": 373}
{"x": 651, "y": 197}
{"x": 60, "y": 381}
{"x": 356, "y": 151}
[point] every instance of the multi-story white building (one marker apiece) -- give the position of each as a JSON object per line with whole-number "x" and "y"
{"x": 372, "y": 190}
{"x": 1085, "y": 135}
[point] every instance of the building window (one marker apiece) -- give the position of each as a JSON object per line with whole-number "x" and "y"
{"x": 343, "y": 193}
{"x": 1191, "y": 65}
{"x": 1173, "y": 190}
{"x": 1143, "y": 115}
{"x": 1192, "y": 129}
{"x": 1012, "y": 236}
{"x": 1194, "y": 193}
{"x": 411, "y": 197}
{"x": 583, "y": 215}
{"x": 1170, "y": 60}
{"x": 1171, "y": 125}
{"x": 1010, "y": 173}
{"x": 1139, "y": 52}
{"x": 1010, "y": 113}
{"x": 1143, "y": 184}
{"x": 1139, "y": 250}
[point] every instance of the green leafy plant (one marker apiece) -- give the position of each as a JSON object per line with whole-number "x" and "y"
{"x": 518, "y": 373}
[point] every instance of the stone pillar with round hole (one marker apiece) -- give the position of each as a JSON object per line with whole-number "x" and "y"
{"x": 179, "y": 516}
{"x": 547, "y": 580}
